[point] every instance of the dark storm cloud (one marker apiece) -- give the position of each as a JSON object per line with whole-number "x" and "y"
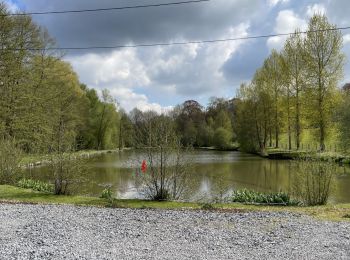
{"x": 205, "y": 20}
{"x": 242, "y": 64}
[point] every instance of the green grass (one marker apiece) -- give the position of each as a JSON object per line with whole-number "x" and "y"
{"x": 279, "y": 153}
{"x": 35, "y": 185}
{"x": 16, "y": 194}
{"x": 254, "y": 197}
{"x": 10, "y": 194}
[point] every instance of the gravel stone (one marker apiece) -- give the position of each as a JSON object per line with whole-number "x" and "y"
{"x": 70, "y": 232}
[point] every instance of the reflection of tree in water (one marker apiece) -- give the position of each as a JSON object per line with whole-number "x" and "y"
{"x": 219, "y": 179}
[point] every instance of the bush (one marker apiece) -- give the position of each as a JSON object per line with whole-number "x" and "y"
{"x": 313, "y": 181}
{"x": 35, "y": 185}
{"x": 222, "y": 138}
{"x": 160, "y": 195}
{"x": 10, "y": 157}
{"x": 68, "y": 171}
{"x": 167, "y": 164}
{"x": 248, "y": 196}
{"x": 207, "y": 206}
{"x": 346, "y": 161}
{"x": 107, "y": 194}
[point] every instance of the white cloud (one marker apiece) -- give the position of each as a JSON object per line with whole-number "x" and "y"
{"x": 12, "y": 7}
{"x": 129, "y": 100}
{"x": 346, "y": 39}
{"x": 194, "y": 69}
{"x": 286, "y": 22}
{"x": 276, "y": 42}
{"x": 182, "y": 72}
{"x": 273, "y": 3}
{"x": 122, "y": 67}
{"x": 315, "y": 9}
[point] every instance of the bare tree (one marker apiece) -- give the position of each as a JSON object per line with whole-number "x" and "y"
{"x": 168, "y": 162}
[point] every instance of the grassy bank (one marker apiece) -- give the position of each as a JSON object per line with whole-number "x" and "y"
{"x": 10, "y": 194}
{"x": 281, "y": 154}
{"x": 39, "y": 159}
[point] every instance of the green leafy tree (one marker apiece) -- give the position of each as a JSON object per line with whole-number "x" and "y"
{"x": 125, "y": 131}
{"x": 271, "y": 72}
{"x": 222, "y": 138}
{"x": 253, "y": 114}
{"x": 324, "y": 63}
{"x": 344, "y": 121}
{"x": 295, "y": 69}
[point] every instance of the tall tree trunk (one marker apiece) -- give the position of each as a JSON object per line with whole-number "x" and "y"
{"x": 120, "y": 136}
{"x": 270, "y": 132}
{"x": 100, "y": 129}
{"x": 297, "y": 118}
{"x": 276, "y": 117}
{"x": 321, "y": 112}
{"x": 322, "y": 132}
{"x": 289, "y": 124}
{"x": 276, "y": 127}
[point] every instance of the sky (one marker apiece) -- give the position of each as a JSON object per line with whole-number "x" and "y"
{"x": 159, "y": 78}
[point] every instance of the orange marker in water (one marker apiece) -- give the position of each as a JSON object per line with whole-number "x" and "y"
{"x": 144, "y": 166}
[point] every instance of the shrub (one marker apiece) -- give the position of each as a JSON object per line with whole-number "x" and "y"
{"x": 313, "y": 181}
{"x": 346, "y": 161}
{"x": 107, "y": 193}
{"x": 68, "y": 171}
{"x": 10, "y": 157}
{"x": 35, "y": 185}
{"x": 222, "y": 138}
{"x": 207, "y": 206}
{"x": 248, "y": 196}
{"x": 166, "y": 161}
{"x": 161, "y": 194}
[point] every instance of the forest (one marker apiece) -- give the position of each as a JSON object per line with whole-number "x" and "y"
{"x": 293, "y": 100}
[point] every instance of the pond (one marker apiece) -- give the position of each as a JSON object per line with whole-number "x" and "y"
{"x": 213, "y": 171}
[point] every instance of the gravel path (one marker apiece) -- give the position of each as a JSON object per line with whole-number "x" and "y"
{"x": 68, "y": 232}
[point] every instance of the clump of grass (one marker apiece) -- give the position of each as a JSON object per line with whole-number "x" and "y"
{"x": 248, "y": 196}
{"x": 207, "y": 206}
{"x": 346, "y": 216}
{"x": 113, "y": 203}
{"x": 36, "y": 185}
{"x": 107, "y": 193}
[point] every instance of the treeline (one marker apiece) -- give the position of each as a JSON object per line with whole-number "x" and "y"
{"x": 296, "y": 91}
{"x": 195, "y": 125}
{"x": 43, "y": 106}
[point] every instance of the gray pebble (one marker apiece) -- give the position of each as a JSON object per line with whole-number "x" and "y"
{"x": 69, "y": 232}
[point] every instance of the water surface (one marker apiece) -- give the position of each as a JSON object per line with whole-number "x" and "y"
{"x": 212, "y": 173}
